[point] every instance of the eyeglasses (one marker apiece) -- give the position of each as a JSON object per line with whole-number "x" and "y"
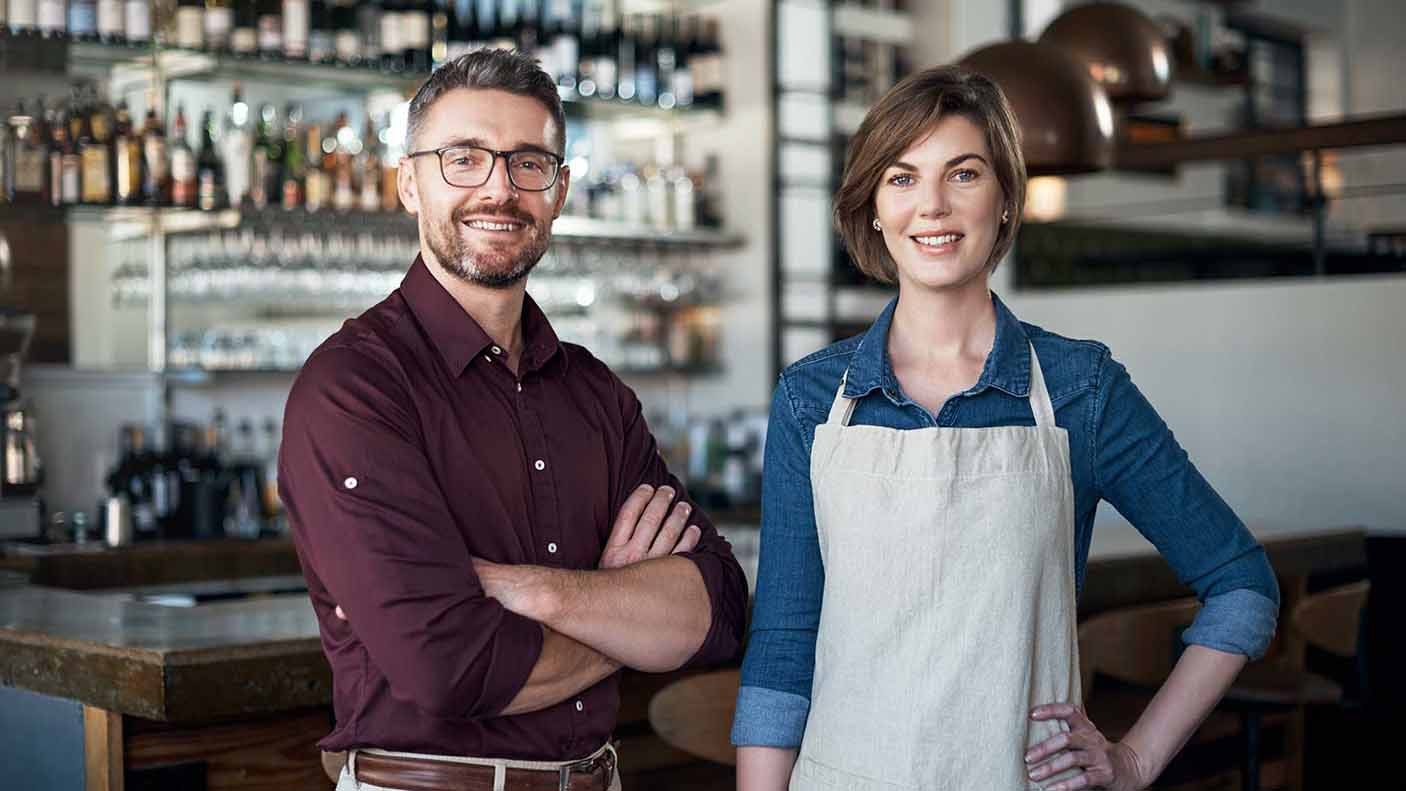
{"x": 471, "y": 166}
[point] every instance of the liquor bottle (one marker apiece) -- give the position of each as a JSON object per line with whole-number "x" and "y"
{"x": 156, "y": 170}
{"x": 52, "y": 18}
{"x": 666, "y": 61}
{"x": 244, "y": 39}
{"x": 293, "y": 168}
{"x": 368, "y": 169}
{"x": 83, "y": 20}
{"x": 415, "y": 35}
{"x": 190, "y": 24}
{"x": 391, "y": 36}
{"x": 136, "y": 21}
{"x": 346, "y": 34}
{"x": 316, "y": 181}
{"x": 208, "y": 169}
{"x": 237, "y": 149}
{"x": 95, "y": 148}
{"x": 29, "y": 177}
{"x": 685, "y": 47}
{"x": 295, "y": 29}
{"x": 321, "y": 47}
{"x": 185, "y": 184}
{"x": 131, "y": 478}
{"x": 127, "y": 155}
{"x": 65, "y": 165}
{"x": 708, "y": 66}
{"x": 219, "y": 24}
{"x": 566, "y": 44}
{"x": 270, "y": 29}
{"x": 23, "y": 17}
{"x": 646, "y": 65}
{"x": 344, "y": 144}
{"x": 390, "y": 174}
{"x": 368, "y": 23}
{"x": 111, "y": 22}
{"x": 625, "y": 61}
{"x": 265, "y": 185}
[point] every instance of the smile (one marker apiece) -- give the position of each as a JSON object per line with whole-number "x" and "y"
{"x": 938, "y": 240}
{"x": 488, "y": 225}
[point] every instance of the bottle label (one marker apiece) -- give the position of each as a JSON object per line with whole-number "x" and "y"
{"x": 96, "y": 188}
{"x": 22, "y": 15}
{"x": 110, "y": 18}
{"x": 209, "y": 190}
{"x": 391, "y": 41}
{"x": 218, "y": 24}
{"x": 155, "y": 150}
{"x": 271, "y": 33}
{"x": 51, "y": 15}
{"x": 295, "y": 28}
{"x": 244, "y": 40}
{"x": 70, "y": 178}
{"x": 129, "y": 169}
{"x": 190, "y": 27}
{"x": 138, "y": 19}
{"x": 29, "y": 169}
{"x": 183, "y": 165}
{"x": 82, "y": 17}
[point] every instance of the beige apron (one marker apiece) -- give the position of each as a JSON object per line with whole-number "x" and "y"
{"x": 949, "y": 602}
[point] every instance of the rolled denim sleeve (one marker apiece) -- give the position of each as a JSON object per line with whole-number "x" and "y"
{"x": 1141, "y": 469}
{"x": 774, "y": 699}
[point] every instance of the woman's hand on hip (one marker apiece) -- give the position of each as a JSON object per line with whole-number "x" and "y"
{"x": 1101, "y": 763}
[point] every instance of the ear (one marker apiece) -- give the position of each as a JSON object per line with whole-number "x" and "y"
{"x": 563, "y": 184}
{"x": 406, "y": 186}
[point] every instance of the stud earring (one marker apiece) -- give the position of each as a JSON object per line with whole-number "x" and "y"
{"x": 877, "y": 227}
{"x": 1005, "y": 216}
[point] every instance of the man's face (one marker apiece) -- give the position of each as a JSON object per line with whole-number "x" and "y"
{"x": 494, "y": 234}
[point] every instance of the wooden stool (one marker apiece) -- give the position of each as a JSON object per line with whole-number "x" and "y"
{"x": 695, "y": 715}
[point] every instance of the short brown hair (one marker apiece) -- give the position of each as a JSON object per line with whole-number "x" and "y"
{"x": 898, "y": 120}
{"x": 490, "y": 69}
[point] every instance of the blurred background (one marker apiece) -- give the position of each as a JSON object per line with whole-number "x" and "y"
{"x": 194, "y": 194}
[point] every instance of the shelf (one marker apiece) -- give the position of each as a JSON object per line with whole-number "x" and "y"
{"x": 176, "y": 220}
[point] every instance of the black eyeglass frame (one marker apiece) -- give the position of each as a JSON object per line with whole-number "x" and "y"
{"x": 506, "y": 156}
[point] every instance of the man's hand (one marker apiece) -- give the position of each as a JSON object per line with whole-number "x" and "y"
{"x": 646, "y": 528}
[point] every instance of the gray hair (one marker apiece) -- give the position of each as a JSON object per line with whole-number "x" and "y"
{"x": 490, "y": 69}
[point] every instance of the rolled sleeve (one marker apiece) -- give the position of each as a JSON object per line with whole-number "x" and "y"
{"x": 780, "y": 663}
{"x": 1141, "y": 469}
{"x": 372, "y": 526}
{"x": 722, "y": 574}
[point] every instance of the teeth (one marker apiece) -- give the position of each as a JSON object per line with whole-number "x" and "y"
{"x": 492, "y": 226}
{"x": 945, "y": 238}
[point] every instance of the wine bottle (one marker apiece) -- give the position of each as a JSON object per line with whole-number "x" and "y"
{"x": 368, "y": 168}
{"x": 190, "y": 24}
{"x": 316, "y": 181}
{"x": 237, "y": 148}
{"x": 209, "y": 172}
{"x": 265, "y": 184}
{"x": 295, "y": 29}
{"x": 219, "y": 24}
{"x": 156, "y": 171}
{"x": 95, "y": 149}
{"x": 127, "y": 153}
{"x": 29, "y": 179}
{"x": 184, "y": 173}
{"x": 293, "y": 169}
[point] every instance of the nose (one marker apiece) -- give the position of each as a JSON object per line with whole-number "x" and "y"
{"x": 935, "y": 200}
{"x": 499, "y": 187}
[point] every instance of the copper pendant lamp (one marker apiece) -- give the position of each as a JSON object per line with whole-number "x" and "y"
{"x": 1066, "y": 121}
{"x": 1124, "y": 50}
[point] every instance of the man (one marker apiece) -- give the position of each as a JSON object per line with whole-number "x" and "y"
{"x": 486, "y": 527}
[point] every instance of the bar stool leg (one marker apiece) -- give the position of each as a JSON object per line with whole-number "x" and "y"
{"x": 1250, "y": 721}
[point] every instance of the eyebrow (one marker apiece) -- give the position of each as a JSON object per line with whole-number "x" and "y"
{"x": 480, "y": 143}
{"x": 951, "y": 163}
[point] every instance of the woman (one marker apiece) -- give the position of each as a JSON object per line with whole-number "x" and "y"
{"x": 933, "y": 482}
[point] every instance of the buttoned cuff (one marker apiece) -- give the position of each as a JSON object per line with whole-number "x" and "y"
{"x": 768, "y": 718}
{"x": 1237, "y": 622}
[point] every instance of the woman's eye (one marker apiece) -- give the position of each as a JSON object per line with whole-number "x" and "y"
{"x": 966, "y": 174}
{"x": 901, "y": 179}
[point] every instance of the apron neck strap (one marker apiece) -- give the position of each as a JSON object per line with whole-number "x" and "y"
{"x": 1040, "y": 396}
{"x": 842, "y": 408}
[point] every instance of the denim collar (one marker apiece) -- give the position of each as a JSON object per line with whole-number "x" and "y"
{"x": 1007, "y": 366}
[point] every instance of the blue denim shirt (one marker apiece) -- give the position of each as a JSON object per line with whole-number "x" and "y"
{"x": 1120, "y": 451}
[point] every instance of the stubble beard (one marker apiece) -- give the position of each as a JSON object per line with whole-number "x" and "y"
{"x": 490, "y": 268}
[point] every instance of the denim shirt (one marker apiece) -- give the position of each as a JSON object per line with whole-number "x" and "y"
{"x": 1120, "y": 451}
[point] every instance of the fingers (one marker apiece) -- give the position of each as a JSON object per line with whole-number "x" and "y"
{"x": 691, "y": 536}
{"x": 624, "y": 528}
{"x": 1061, "y": 711}
{"x": 1048, "y": 747}
{"x": 1061, "y": 762}
{"x": 647, "y": 529}
{"x": 669, "y": 532}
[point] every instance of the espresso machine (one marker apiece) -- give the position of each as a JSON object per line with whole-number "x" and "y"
{"x": 20, "y": 470}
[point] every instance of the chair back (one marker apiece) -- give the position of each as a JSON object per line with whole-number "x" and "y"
{"x": 1135, "y": 645}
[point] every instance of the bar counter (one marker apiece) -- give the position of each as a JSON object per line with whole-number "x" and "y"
{"x": 84, "y": 630}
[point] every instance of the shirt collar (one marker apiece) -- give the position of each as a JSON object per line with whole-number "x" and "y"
{"x": 458, "y": 336}
{"x": 1007, "y": 366}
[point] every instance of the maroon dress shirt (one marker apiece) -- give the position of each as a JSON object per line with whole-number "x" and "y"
{"x": 408, "y": 447}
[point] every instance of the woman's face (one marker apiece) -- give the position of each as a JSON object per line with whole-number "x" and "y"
{"x": 940, "y": 207}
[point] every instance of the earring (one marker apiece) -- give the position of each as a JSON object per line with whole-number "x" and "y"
{"x": 877, "y": 227}
{"x": 1005, "y": 216}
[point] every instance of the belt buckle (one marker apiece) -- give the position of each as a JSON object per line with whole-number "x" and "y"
{"x": 587, "y": 765}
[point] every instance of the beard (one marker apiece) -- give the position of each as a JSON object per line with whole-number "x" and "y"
{"x": 489, "y": 266}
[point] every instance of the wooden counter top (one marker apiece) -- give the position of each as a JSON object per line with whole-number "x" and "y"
{"x": 258, "y": 655}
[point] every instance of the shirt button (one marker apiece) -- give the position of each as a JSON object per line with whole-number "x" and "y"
{"x": 519, "y": 387}
{"x": 552, "y": 547}
{"x": 489, "y": 359}
{"x": 580, "y": 706}
{"x": 540, "y": 465}
{"x": 497, "y": 350}
{"x": 350, "y": 483}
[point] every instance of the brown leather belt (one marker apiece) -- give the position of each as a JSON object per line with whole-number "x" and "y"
{"x": 422, "y": 774}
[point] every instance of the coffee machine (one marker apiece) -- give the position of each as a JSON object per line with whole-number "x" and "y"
{"x": 21, "y": 472}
